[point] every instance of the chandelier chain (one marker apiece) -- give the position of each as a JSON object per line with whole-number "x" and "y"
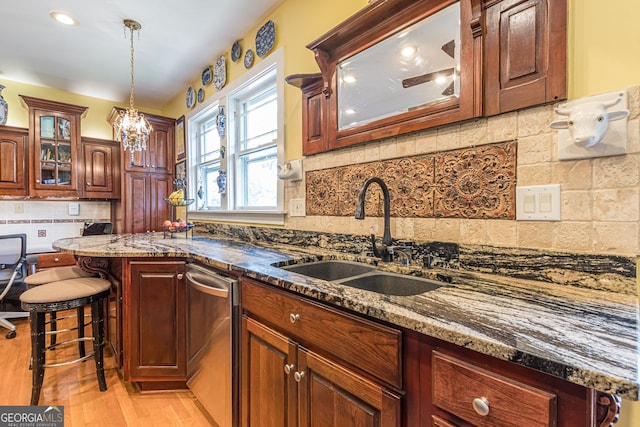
{"x": 132, "y": 72}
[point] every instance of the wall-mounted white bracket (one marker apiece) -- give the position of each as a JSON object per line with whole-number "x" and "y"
{"x": 614, "y": 142}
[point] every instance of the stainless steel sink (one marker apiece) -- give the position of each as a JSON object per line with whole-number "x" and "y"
{"x": 330, "y": 270}
{"x": 392, "y": 284}
{"x": 365, "y": 276}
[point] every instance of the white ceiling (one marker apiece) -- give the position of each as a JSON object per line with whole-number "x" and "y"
{"x": 177, "y": 40}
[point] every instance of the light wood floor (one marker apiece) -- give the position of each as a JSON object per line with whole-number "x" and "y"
{"x": 76, "y": 388}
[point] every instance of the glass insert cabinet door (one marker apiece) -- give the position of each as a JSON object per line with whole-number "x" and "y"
{"x": 56, "y": 150}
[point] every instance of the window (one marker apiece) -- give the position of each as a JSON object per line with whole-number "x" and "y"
{"x": 233, "y": 174}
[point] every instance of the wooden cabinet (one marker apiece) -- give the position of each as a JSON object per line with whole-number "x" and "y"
{"x": 147, "y": 181}
{"x": 447, "y": 385}
{"x": 159, "y": 155}
{"x": 512, "y": 55}
{"x": 101, "y": 169}
{"x": 143, "y": 202}
{"x": 13, "y": 165}
{"x": 54, "y": 139}
{"x": 295, "y": 372}
{"x": 525, "y": 53}
{"x": 154, "y": 321}
{"x": 313, "y": 135}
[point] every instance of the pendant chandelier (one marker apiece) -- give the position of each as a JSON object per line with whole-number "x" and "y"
{"x": 131, "y": 128}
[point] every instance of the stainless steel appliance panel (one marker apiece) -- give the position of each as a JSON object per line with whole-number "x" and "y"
{"x": 212, "y": 367}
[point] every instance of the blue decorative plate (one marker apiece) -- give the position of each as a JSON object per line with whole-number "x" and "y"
{"x": 220, "y": 73}
{"x": 200, "y": 95}
{"x": 191, "y": 97}
{"x": 265, "y": 37}
{"x": 236, "y": 51}
{"x": 248, "y": 58}
{"x": 207, "y": 75}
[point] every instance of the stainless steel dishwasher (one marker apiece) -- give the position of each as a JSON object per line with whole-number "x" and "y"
{"x": 212, "y": 367}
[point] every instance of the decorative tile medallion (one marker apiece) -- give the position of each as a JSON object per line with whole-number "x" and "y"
{"x": 474, "y": 182}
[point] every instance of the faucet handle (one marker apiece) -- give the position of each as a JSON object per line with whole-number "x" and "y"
{"x": 385, "y": 253}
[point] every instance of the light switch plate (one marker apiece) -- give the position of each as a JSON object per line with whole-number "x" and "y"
{"x": 538, "y": 203}
{"x": 297, "y": 207}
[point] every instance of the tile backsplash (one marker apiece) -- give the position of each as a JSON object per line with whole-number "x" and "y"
{"x": 46, "y": 221}
{"x": 600, "y": 197}
{"x": 474, "y": 182}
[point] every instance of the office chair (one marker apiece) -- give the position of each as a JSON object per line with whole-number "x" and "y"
{"x": 13, "y": 248}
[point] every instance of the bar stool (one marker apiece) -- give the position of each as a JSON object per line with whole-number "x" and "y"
{"x": 64, "y": 295}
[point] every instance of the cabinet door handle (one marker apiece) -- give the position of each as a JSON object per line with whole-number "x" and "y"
{"x": 180, "y": 276}
{"x": 298, "y": 376}
{"x": 38, "y": 181}
{"x": 288, "y": 368}
{"x": 88, "y": 184}
{"x": 56, "y": 259}
{"x": 294, "y": 317}
{"x": 481, "y": 406}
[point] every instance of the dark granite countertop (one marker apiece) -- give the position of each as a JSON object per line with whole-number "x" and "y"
{"x": 589, "y": 337}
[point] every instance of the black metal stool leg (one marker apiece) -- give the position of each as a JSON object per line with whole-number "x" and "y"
{"x": 37, "y": 355}
{"x": 80, "y": 316}
{"x": 97, "y": 322}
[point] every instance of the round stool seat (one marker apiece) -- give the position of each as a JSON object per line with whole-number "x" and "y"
{"x": 65, "y": 290}
{"x": 56, "y": 274}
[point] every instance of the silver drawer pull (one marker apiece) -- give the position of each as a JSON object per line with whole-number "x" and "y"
{"x": 288, "y": 368}
{"x": 294, "y": 317}
{"x": 180, "y": 276}
{"x": 298, "y": 376}
{"x": 56, "y": 259}
{"x": 481, "y": 406}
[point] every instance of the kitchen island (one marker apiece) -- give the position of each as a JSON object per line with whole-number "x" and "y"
{"x": 586, "y": 337}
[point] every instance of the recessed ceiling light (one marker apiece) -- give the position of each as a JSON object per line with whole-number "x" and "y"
{"x": 441, "y": 79}
{"x": 408, "y": 51}
{"x": 63, "y": 18}
{"x": 349, "y": 78}
{"x": 350, "y": 111}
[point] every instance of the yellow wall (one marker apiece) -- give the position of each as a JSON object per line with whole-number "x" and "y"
{"x": 603, "y": 40}
{"x": 94, "y": 123}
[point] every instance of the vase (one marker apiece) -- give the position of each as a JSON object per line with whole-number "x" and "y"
{"x": 222, "y": 181}
{"x": 4, "y": 108}
{"x": 221, "y": 122}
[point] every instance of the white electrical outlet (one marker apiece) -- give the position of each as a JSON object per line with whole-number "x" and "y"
{"x": 538, "y": 203}
{"x": 18, "y": 208}
{"x": 296, "y": 207}
{"x": 74, "y": 208}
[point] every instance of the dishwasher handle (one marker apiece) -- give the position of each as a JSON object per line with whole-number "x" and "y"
{"x": 208, "y": 288}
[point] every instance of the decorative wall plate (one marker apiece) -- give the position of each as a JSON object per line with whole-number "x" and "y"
{"x": 207, "y": 75}
{"x": 200, "y": 95}
{"x": 236, "y": 51}
{"x": 265, "y": 37}
{"x": 191, "y": 97}
{"x": 248, "y": 58}
{"x": 220, "y": 73}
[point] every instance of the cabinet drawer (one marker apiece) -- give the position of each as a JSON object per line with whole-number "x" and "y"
{"x": 458, "y": 387}
{"x": 374, "y": 348}
{"x": 55, "y": 259}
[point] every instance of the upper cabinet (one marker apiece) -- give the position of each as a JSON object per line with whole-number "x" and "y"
{"x": 159, "y": 155}
{"x": 525, "y": 54}
{"x": 101, "y": 168}
{"x": 54, "y": 137}
{"x": 13, "y": 143}
{"x": 399, "y": 66}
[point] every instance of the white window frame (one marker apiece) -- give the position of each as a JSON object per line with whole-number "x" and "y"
{"x": 228, "y": 213}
